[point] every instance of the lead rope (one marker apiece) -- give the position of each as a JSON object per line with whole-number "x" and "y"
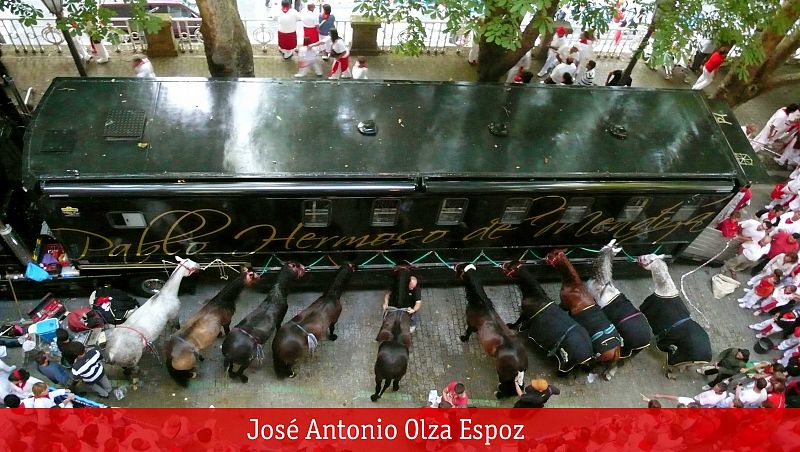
{"x": 259, "y": 353}
{"x": 683, "y": 277}
{"x": 312, "y": 340}
{"x": 148, "y": 345}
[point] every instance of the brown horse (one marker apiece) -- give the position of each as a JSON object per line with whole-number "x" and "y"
{"x": 305, "y": 329}
{"x": 496, "y": 339}
{"x": 394, "y": 337}
{"x": 580, "y": 303}
{"x": 183, "y": 348}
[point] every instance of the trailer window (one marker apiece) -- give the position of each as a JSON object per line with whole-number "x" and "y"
{"x": 633, "y": 208}
{"x": 516, "y": 210}
{"x": 384, "y": 211}
{"x": 127, "y": 220}
{"x": 688, "y": 209}
{"x": 452, "y": 212}
{"x": 576, "y": 210}
{"x": 316, "y": 213}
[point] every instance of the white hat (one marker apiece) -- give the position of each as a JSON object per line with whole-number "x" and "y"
{"x": 28, "y": 345}
{"x": 3, "y": 351}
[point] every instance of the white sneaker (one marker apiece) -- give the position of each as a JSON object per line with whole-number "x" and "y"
{"x": 591, "y": 378}
{"x": 103, "y": 61}
{"x": 298, "y": 75}
{"x": 760, "y": 336}
{"x": 412, "y": 329}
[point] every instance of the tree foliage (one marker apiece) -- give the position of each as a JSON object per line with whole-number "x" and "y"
{"x": 86, "y": 17}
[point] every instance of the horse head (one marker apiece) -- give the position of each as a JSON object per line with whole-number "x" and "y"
{"x": 463, "y": 268}
{"x": 249, "y": 276}
{"x": 405, "y": 266}
{"x": 187, "y": 265}
{"x": 511, "y": 268}
{"x": 610, "y": 248}
{"x": 646, "y": 261}
{"x": 555, "y": 256}
{"x": 351, "y": 265}
{"x": 297, "y": 269}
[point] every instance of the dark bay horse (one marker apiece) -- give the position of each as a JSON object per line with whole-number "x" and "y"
{"x": 496, "y": 339}
{"x": 305, "y": 329}
{"x": 576, "y": 298}
{"x": 394, "y": 337}
{"x": 183, "y": 348}
{"x": 245, "y": 341}
{"x": 549, "y": 326}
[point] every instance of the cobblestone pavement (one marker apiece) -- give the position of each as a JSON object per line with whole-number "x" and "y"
{"x": 340, "y": 373}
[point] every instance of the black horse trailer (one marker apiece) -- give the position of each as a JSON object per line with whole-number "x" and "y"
{"x": 262, "y": 171}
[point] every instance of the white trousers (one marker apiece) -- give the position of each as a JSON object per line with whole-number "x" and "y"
{"x": 303, "y": 70}
{"x": 705, "y": 79}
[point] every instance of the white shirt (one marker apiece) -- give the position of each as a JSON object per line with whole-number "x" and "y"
{"x": 585, "y": 51}
{"x": 750, "y": 229}
{"x": 287, "y": 22}
{"x": 145, "y": 69}
{"x": 709, "y": 398}
{"x": 563, "y": 68}
{"x": 310, "y": 19}
{"x": 788, "y": 223}
{"x": 753, "y": 251}
{"x": 564, "y": 52}
{"x": 22, "y": 393}
{"x": 308, "y": 55}
{"x": 557, "y": 42}
{"x": 339, "y": 46}
{"x": 751, "y": 397}
{"x": 360, "y": 72}
{"x": 524, "y": 62}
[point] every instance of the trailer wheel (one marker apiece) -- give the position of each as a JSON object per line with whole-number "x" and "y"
{"x": 146, "y": 286}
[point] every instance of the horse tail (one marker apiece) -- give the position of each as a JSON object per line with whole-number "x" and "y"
{"x": 286, "y": 349}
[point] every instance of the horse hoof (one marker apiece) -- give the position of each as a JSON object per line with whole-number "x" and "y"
{"x": 292, "y": 375}
{"x": 333, "y": 337}
{"x": 194, "y": 375}
{"x": 244, "y": 378}
{"x": 463, "y": 338}
{"x": 231, "y": 374}
{"x": 201, "y": 358}
{"x": 374, "y": 398}
{"x": 395, "y": 388}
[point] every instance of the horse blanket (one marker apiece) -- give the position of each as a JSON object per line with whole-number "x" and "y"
{"x": 553, "y": 330}
{"x": 603, "y": 334}
{"x": 683, "y": 339}
{"x": 631, "y": 324}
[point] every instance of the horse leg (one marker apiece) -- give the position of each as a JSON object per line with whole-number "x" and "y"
{"x": 467, "y": 334}
{"x": 332, "y": 336}
{"x": 240, "y": 373}
{"x": 396, "y": 384}
{"x": 514, "y": 325}
{"x": 377, "y": 395}
{"x": 199, "y": 357}
{"x": 226, "y": 329}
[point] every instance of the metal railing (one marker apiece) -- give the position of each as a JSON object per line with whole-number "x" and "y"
{"x": 615, "y": 43}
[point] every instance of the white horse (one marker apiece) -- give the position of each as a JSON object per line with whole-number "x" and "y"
{"x": 127, "y": 342}
{"x": 684, "y": 340}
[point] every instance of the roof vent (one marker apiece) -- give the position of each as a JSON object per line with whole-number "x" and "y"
{"x": 124, "y": 124}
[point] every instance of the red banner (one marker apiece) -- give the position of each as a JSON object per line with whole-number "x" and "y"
{"x": 398, "y": 429}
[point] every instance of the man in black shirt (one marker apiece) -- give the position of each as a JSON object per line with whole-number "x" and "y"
{"x": 414, "y": 301}
{"x": 536, "y": 394}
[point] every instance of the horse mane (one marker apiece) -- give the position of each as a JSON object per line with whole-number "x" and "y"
{"x": 399, "y": 293}
{"x": 530, "y": 286}
{"x": 227, "y": 296}
{"x": 475, "y": 291}
{"x": 568, "y": 273}
{"x": 337, "y": 286}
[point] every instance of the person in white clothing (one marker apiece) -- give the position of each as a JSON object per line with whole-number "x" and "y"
{"x": 585, "y": 47}
{"x": 776, "y": 126}
{"x": 310, "y": 21}
{"x": 20, "y": 383}
{"x": 143, "y": 67}
{"x": 309, "y": 59}
{"x": 287, "y": 29}
{"x": 360, "y": 69}
{"x": 44, "y": 398}
{"x": 82, "y": 52}
{"x": 522, "y": 65}
{"x": 790, "y": 222}
{"x": 338, "y": 50}
{"x": 557, "y": 75}
{"x": 569, "y": 51}
{"x": 559, "y": 39}
{"x": 749, "y": 254}
{"x": 755, "y": 396}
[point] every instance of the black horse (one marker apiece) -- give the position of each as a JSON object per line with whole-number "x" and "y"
{"x": 547, "y": 325}
{"x": 496, "y": 339}
{"x": 245, "y": 341}
{"x": 394, "y": 337}
{"x": 305, "y": 329}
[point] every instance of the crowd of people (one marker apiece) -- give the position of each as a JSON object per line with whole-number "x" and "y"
{"x": 320, "y": 42}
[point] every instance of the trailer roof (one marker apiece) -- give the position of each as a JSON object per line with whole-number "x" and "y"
{"x": 102, "y": 129}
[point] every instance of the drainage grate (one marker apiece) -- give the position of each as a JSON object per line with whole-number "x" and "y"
{"x": 124, "y": 124}
{"x": 59, "y": 140}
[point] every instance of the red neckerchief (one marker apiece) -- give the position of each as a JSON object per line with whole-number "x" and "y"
{"x": 584, "y": 41}
{"x": 284, "y": 8}
{"x": 325, "y": 16}
{"x": 42, "y": 396}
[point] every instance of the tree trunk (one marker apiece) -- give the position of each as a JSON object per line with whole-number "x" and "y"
{"x": 227, "y": 46}
{"x": 540, "y": 53}
{"x": 637, "y": 54}
{"x": 760, "y": 78}
{"x": 494, "y": 61}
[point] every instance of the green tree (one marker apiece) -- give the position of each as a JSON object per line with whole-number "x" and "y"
{"x": 499, "y": 23}
{"x": 227, "y": 46}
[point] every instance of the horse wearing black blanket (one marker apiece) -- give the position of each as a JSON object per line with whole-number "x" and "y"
{"x": 547, "y": 325}
{"x": 683, "y": 339}
{"x": 629, "y": 321}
